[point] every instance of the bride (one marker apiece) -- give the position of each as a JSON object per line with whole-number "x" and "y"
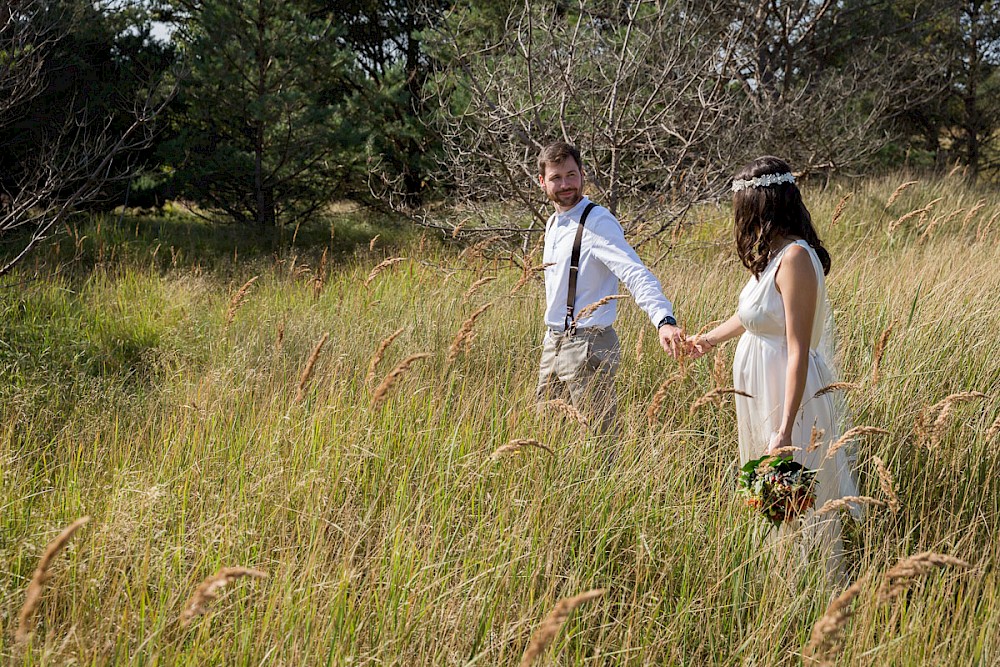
{"x": 784, "y": 354}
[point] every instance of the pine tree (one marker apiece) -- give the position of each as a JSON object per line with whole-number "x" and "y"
{"x": 262, "y": 135}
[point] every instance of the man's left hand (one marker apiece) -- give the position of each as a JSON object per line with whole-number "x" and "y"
{"x": 672, "y": 339}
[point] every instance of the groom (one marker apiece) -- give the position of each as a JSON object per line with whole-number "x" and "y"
{"x": 587, "y": 255}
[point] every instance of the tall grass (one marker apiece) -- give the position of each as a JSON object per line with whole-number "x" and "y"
{"x": 390, "y": 532}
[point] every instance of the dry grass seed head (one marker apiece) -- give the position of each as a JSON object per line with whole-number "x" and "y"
{"x": 943, "y": 409}
{"x": 537, "y": 247}
{"x": 852, "y": 434}
{"x": 638, "y": 346}
{"x": 33, "y": 598}
{"x": 280, "y": 338}
{"x": 843, "y": 503}
{"x": 523, "y": 280}
{"x": 715, "y": 396}
{"x": 519, "y": 444}
{"x": 706, "y": 327}
{"x": 371, "y": 244}
{"x": 897, "y": 192}
{"x": 550, "y": 627}
{"x": 307, "y": 371}
{"x": 980, "y": 205}
{"x": 559, "y": 405}
{"x": 994, "y": 430}
{"x": 719, "y": 368}
{"x": 983, "y": 229}
{"x": 382, "y": 391}
{"x": 841, "y": 205}
{"x": 904, "y": 573}
{"x": 319, "y": 281}
{"x": 382, "y": 266}
{"x": 945, "y": 219}
{"x": 815, "y": 438}
{"x": 590, "y": 309}
{"x": 880, "y": 351}
{"x": 828, "y": 632}
{"x": 379, "y": 353}
{"x": 912, "y": 214}
{"x": 478, "y": 250}
{"x": 476, "y": 285}
{"x": 836, "y": 386}
{"x": 464, "y": 335}
{"x": 951, "y": 399}
{"x": 653, "y": 412}
{"x": 528, "y": 274}
{"x": 887, "y": 484}
{"x": 209, "y": 590}
{"x": 237, "y": 300}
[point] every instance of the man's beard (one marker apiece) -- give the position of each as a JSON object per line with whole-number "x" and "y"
{"x": 567, "y": 197}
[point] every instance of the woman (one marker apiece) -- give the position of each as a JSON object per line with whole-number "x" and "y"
{"x": 783, "y": 356}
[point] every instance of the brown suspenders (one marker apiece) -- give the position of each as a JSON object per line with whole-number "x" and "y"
{"x": 574, "y": 269}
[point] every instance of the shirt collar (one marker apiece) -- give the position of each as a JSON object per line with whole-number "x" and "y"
{"x": 575, "y": 212}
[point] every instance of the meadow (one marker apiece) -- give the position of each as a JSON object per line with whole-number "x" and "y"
{"x": 210, "y": 403}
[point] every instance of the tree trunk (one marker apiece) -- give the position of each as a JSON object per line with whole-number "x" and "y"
{"x": 265, "y": 206}
{"x": 972, "y": 121}
{"x": 263, "y": 194}
{"x": 412, "y": 178}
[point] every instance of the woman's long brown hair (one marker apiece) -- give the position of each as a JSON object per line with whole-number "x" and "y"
{"x": 765, "y": 213}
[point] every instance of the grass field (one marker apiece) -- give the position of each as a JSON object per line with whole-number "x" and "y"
{"x": 187, "y": 420}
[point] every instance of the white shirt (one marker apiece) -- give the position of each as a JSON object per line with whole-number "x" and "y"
{"x": 605, "y": 259}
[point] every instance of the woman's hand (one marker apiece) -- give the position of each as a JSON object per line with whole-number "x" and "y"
{"x": 780, "y": 443}
{"x": 697, "y": 346}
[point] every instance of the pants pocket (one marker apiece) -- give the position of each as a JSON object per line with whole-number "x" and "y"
{"x": 604, "y": 352}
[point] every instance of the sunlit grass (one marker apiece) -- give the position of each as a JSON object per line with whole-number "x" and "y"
{"x": 389, "y": 533}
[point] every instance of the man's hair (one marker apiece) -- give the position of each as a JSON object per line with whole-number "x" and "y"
{"x": 557, "y": 152}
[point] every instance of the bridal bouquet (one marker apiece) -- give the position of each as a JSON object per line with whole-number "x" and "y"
{"x": 777, "y": 487}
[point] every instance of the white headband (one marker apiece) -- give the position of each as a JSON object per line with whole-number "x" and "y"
{"x": 763, "y": 181}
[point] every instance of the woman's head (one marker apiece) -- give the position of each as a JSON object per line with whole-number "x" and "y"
{"x": 766, "y": 209}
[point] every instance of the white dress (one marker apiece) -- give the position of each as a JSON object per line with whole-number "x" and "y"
{"x": 759, "y": 369}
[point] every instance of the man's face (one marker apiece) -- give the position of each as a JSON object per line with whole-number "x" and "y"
{"x": 563, "y": 183}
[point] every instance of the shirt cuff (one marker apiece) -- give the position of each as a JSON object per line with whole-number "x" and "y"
{"x": 660, "y": 314}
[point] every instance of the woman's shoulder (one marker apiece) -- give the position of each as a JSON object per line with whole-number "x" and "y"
{"x": 798, "y": 248}
{"x": 796, "y": 264}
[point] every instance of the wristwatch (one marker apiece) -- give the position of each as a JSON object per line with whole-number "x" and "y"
{"x": 669, "y": 319}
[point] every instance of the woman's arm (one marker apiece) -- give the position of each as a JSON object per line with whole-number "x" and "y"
{"x": 797, "y": 283}
{"x": 699, "y": 345}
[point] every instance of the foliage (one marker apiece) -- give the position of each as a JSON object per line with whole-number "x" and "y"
{"x": 80, "y": 90}
{"x": 664, "y": 99}
{"x": 386, "y": 40}
{"x": 263, "y": 130}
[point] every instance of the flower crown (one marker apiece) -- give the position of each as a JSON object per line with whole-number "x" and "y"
{"x": 763, "y": 181}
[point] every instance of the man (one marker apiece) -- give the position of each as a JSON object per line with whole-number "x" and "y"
{"x": 580, "y": 355}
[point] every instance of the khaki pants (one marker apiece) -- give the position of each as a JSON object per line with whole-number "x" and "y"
{"x": 583, "y": 367}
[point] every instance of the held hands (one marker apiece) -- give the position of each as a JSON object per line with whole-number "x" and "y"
{"x": 677, "y": 345}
